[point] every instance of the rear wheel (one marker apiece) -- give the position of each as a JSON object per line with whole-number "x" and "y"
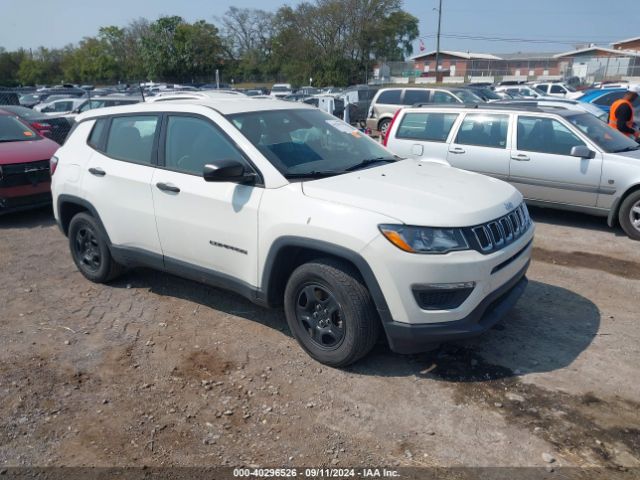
{"x": 629, "y": 215}
{"x": 383, "y": 126}
{"x": 90, "y": 251}
{"x": 330, "y": 312}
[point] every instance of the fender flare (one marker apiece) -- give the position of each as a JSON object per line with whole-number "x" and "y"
{"x": 322, "y": 247}
{"x": 72, "y": 199}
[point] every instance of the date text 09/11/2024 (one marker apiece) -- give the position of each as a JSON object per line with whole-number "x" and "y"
{"x": 316, "y": 473}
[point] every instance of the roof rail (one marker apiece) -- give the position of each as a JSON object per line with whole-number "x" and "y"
{"x": 481, "y": 106}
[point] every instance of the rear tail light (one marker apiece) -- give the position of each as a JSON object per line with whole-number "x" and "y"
{"x": 41, "y": 126}
{"x": 53, "y": 164}
{"x": 386, "y": 135}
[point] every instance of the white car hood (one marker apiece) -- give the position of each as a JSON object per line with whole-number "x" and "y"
{"x": 420, "y": 193}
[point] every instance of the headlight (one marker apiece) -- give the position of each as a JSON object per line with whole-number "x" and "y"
{"x": 425, "y": 239}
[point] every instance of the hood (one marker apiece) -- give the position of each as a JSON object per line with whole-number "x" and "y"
{"x": 633, "y": 157}
{"x": 27, "y": 151}
{"x": 420, "y": 193}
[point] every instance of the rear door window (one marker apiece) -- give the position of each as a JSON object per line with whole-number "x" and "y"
{"x": 131, "y": 138}
{"x": 389, "y": 97}
{"x": 431, "y": 127}
{"x": 484, "y": 131}
{"x": 557, "y": 89}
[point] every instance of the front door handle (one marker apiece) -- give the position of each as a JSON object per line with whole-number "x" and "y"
{"x": 167, "y": 187}
{"x": 520, "y": 157}
{"x": 98, "y": 172}
{"x": 456, "y": 150}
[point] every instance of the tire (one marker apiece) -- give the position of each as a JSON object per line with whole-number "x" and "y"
{"x": 629, "y": 215}
{"x": 346, "y": 326}
{"x": 383, "y": 126}
{"x": 90, "y": 251}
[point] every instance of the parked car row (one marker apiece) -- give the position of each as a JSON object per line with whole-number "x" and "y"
{"x": 351, "y": 237}
{"x": 558, "y": 158}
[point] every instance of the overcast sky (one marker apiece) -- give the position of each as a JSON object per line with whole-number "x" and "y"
{"x": 512, "y": 25}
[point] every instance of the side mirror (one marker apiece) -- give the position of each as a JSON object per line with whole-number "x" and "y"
{"x": 227, "y": 171}
{"x": 582, "y": 151}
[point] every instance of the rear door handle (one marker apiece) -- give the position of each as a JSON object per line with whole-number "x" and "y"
{"x": 98, "y": 172}
{"x": 456, "y": 150}
{"x": 520, "y": 157}
{"x": 167, "y": 187}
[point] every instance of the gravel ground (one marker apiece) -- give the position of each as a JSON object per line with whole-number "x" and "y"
{"x": 155, "y": 370}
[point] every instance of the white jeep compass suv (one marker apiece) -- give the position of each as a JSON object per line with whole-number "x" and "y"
{"x": 290, "y": 206}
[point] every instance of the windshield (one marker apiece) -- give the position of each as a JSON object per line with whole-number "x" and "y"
{"x": 302, "y": 142}
{"x": 610, "y": 140}
{"x": 489, "y": 94}
{"x": 467, "y": 97}
{"x": 13, "y": 130}
{"x": 280, "y": 88}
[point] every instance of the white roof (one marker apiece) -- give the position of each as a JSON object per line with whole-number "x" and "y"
{"x": 601, "y": 49}
{"x": 467, "y": 55}
{"x": 226, "y": 106}
{"x": 626, "y": 41}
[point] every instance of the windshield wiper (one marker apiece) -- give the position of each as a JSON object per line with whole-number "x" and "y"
{"x": 369, "y": 161}
{"x": 627, "y": 149}
{"x": 313, "y": 174}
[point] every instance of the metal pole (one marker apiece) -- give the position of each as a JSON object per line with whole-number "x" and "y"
{"x": 438, "y": 38}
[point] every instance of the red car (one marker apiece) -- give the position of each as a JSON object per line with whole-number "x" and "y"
{"x": 25, "y": 181}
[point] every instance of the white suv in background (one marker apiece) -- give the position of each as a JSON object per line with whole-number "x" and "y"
{"x": 558, "y": 158}
{"x": 557, "y": 89}
{"x": 290, "y": 206}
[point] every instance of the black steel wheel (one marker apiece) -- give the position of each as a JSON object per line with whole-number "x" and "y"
{"x": 330, "y": 311}
{"x": 89, "y": 249}
{"x": 320, "y": 315}
{"x": 86, "y": 248}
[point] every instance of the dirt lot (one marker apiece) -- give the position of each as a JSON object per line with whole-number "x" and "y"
{"x": 155, "y": 370}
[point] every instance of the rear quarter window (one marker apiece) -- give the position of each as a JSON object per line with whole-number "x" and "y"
{"x": 431, "y": 127}
{"x": 96, "y": 137}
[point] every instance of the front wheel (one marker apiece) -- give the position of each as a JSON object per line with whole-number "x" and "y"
{"x": 330, "y": 312}
{"x": 629, "y": 215}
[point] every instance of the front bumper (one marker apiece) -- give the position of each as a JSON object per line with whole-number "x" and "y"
{"x": 16, "y": 199}
{"x": 414, "y": 338}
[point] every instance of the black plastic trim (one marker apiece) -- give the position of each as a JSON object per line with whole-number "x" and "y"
{"x": 212, "y": 278}
{"x": 267, "y": 285}
{"x": 65, "y": 198}
{"x": 415, "y": 338}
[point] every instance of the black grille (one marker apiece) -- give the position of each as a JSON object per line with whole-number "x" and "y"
{"x": 499, "y": 233}
{"x": 30, "y": 173}
{"x": 441, "y": 298}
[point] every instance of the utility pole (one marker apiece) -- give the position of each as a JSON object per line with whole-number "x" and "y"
{"x": 438, "y": 37}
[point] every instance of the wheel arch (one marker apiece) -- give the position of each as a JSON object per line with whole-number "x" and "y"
{"x": 69, "y": 206}
{"x": 287, "y": 253}
{"x": 612, "y": 218}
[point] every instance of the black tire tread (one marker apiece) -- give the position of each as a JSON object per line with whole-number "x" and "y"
{"x": 114, "y": 269}
{"x": 623, "y": 215}
{"x": 347, "y": 278}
